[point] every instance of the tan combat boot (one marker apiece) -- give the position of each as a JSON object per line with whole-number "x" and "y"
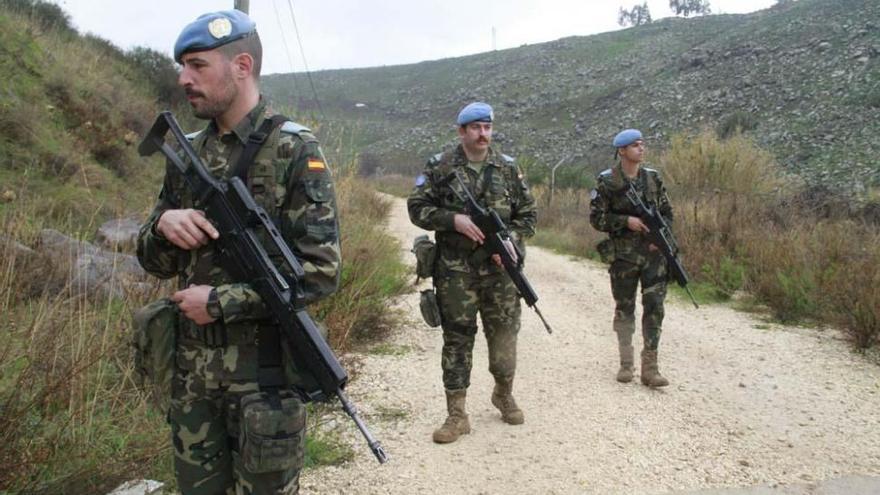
{"x": 456, "y": 423}
{"x": 502, "y": 398}
{"x": 650, "y": 371}
{"x": 625, "y": 373}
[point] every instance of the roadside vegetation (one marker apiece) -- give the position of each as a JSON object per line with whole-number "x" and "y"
{"x": 747, "y": 229}
{"x": 808, "y": 254}
{"x": 74, "y": 109}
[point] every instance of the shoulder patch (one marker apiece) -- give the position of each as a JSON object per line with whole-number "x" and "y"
{"x": 291, "y": 127}
{"x": 605, "y": 173}
{"x": 192, "y": 136}
{"x": 508, "y": 159}
{"x": 420, "y": 180}
{"x": 594, "y": 194}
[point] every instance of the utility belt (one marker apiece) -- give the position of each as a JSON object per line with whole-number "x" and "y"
{"x": 215, "y": 335}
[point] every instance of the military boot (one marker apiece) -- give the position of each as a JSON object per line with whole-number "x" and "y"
{"x": 502, "y": 398}
{"x": 650, "y": 371}
{"x": 456, "y": 423}
{"x": 625, "y": 373}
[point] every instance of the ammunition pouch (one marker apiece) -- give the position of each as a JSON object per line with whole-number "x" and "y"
{"x": 154, "y": 339}
{"x": 429, "y": 308}
{"x": 272, "y": 435}
{"x": 426, "y": 255}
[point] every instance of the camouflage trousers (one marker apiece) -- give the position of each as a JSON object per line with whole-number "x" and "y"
{"x": 460, "y": 297}
{"x": 229, "y": 438}
{"x": 650, "y": 270}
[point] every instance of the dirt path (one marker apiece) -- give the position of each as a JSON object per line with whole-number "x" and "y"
{"x": 751, "y": 403}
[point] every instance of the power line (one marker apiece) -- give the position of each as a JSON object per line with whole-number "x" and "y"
{"x": 303, "y": 54}
{"x": 286, "y": 48}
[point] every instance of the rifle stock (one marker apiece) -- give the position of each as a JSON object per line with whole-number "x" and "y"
{"x": 237, "y": 217}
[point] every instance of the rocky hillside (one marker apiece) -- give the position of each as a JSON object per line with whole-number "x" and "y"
{"x": 803, "y": 80}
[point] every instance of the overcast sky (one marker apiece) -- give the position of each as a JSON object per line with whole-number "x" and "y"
{"x": 352, "y": 33}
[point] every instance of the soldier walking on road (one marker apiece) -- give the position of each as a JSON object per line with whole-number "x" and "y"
{"x": 467, "y": 279}
{"x": 633, "y": 259}
{"x": 231, "y": 434}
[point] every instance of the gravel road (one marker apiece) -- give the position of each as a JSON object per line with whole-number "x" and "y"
{"x": 751, "y": 402}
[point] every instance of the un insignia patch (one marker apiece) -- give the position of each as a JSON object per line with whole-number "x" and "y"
{"x": 594, "y": 194}
{"x": 420, "y": 180}
{"x": 220, "y": 28}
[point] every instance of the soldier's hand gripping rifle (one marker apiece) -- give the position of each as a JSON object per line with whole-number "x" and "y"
{"x": 496, "y": 234}
{"x": 660, "y": 235}
{"x": 237, "y": 217}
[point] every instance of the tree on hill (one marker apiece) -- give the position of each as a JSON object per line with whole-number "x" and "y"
{"x": 638, "y": 15}
{"x": 690, "y": 7}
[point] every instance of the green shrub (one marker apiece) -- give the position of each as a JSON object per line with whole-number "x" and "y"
{"x": 736, "y": 123}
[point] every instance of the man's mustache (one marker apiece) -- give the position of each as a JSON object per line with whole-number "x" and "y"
{"x": 193, "y": 92}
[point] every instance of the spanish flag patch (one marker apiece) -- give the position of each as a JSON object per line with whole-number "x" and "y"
{"x": 316, "y": 165}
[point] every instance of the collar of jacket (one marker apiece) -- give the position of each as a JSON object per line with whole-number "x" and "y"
{"x": 459, "y": 158}
{"x": 619, "y": 180}
{"x": 247, "y": 124}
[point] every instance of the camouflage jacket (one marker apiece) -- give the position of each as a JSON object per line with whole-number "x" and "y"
{"x": 437, "y": 198}
{"x": 291, "y": 181}
{"x": 609, "y": 207}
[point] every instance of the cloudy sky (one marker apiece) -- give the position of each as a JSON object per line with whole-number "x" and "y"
{"x": 353, "y": 33}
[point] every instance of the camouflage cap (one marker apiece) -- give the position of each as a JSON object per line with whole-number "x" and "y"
{"x": 475, "y": 112}
{"x": 212, "y": 30}
{"x": 626, "y": 138}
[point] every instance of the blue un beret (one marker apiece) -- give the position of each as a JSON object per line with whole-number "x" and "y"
{"x": 627, "y": 137}
{"x": 212, "y": 30}
{"x": 475, "y": 112}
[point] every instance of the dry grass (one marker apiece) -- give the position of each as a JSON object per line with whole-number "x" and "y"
{"x": 71, "y": 418}
{"x": 744, "y": 225}
{"x": 372, "y": 271}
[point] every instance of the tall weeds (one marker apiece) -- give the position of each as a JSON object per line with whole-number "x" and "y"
{"x": 744, "y": 225}
{"x": 71, "y": 419}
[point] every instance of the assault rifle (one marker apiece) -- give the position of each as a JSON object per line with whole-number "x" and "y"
{"x": 660, "y": 235}
{"x": 237, "y": 217}
{"x": 496, "y": 234}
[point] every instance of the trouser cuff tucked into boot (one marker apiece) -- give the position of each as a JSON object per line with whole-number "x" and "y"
{"x": 502, "y": 398}
{"x": 627, "y": 358}
{"x": 456, "y": 423}
{"x": 651, "y": 371}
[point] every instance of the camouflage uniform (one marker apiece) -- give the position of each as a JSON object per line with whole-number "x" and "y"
{"x": 466, "y": 279}
{"x": 632, "y": 261}
{"x": 217, "y": 364}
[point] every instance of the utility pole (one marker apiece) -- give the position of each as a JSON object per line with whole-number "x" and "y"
{"x": 243, "y": 5}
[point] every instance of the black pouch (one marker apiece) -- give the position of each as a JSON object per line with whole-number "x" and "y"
{"x": 606, "y": 251}
{"x": 272, "y": 436}
{"x": 154, "y": 339}
{"x": 428, "y": 306}
{"x": 426, "y": 253}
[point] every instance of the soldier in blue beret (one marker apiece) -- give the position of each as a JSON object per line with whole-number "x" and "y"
{"x": 633, "y": 259}
{"x": 467, "y": 280}
{"x": 231, "y": 434}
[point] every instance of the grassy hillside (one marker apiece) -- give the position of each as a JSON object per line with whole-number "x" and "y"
{"x": 72, "y": 112}
{"x": 803, "y": 80}
{"x": 71, "y": 115}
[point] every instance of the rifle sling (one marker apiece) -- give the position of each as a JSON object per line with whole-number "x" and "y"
{"x": 270, "y": 373}
{"x": 254, "y": 143}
